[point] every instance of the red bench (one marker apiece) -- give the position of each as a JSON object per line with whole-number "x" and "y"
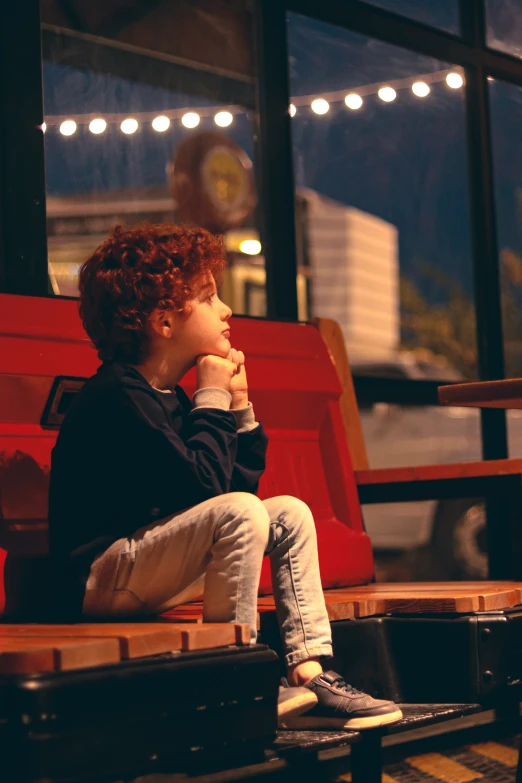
{"x": 295, "y": 391}
{"x": 302, "y": 390}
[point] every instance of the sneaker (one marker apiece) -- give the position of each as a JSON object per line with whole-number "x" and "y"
{"x": 294, "y": 701}
{"x": 341, "y": 706}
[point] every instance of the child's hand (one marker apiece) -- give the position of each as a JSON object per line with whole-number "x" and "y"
{"x": 238, "y": 383}
{"x": 214, "y": 371}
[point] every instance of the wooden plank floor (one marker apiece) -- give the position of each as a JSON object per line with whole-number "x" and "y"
{"x": 395, "y": 598}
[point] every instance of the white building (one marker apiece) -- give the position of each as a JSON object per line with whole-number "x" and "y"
{"x": 355, "y": 275}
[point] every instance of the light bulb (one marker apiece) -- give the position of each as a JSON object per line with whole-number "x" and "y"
{"x": 353, "y": 101}
{"x": 68, "y": 127}
{"x": 190, "y": 119}
{"x": 320, "y": 106}
{"x": 44, "y": 127}
{"x": 387, "y": 94}
{"x": 292, "y": 110}
{"x": 161, "y": 123}
{"x": 420, "y": 89}
{"x": 97, "y": 126}
{"x": 129, "y": 126}
{"x": 251, "y": 247}
{"x": 454, "y": 80}
{"x": 223, "y": 119}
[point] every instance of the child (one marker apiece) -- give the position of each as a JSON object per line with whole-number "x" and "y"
{"x": 151, "y": 492}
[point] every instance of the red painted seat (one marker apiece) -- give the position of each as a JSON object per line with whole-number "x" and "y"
{"x": 295, "y": 390}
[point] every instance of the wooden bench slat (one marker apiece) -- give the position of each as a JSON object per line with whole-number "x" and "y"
{"x": 486, "y": 602}
{"x": 480, "y": 588}
{"x": 506, "y": 393}
{"x": 494, "y": 467}
{"x": 139, "y": 639}
{"x": 202, "y": 636}
{"x": 342, "y": 603}
{"x": 402, "y": 598}
{"x": 30, "y": 656}
{"x": 134, "y": 640}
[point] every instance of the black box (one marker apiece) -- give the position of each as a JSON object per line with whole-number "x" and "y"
{"x": 167, "y": 711}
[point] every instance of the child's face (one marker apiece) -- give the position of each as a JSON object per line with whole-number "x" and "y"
{"x": 203, "y": 330}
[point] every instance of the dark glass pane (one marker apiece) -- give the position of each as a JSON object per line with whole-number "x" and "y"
{"x": 122, "y": 98}
{"x": 506, "y": 121}
{"x": 504, "y": 26}
{"x": 382, "y": 196}
{"x": 441, "y": 13}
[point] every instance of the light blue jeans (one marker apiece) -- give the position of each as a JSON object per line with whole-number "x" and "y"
{"x": 216, "y": 548}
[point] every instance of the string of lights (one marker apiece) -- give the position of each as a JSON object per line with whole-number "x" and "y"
{"x": 354, "y": 99}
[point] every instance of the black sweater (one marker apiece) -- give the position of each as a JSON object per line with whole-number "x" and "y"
{"x": 128, "y": 455}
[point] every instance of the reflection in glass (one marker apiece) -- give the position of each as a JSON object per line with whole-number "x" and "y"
{"x": 382, "y": 184}
{"x": 506, "y": 120}
{"x": 441, "y": 13}
{"x": 504, "y": 26}
{"x": 117, "y": 110}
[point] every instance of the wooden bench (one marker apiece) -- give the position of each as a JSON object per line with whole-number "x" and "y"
{"x": 29, "y": 649}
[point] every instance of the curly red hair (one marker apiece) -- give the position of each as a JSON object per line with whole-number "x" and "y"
{"x": 137, "y": 270}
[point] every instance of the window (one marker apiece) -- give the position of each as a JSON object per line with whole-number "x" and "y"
{"x": 381, "y": 177}
{"x": 148, "y": 116}
{"x": 506, "y": 119}
{"x": 442, "y": 13}
{"x": 504, "y": 26}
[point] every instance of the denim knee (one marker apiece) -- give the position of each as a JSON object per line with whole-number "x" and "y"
{"x": 251, "y": 516}
{"x": 296, "y": 515}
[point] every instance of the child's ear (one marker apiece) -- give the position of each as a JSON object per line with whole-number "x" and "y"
{"x": 161, "y": 322}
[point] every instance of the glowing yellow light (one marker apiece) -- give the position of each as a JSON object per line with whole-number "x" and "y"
{"x": 251, "y": 247}
{"x": 44, "y": 126}
{"x": 387, "y": 94}
{"x": 420, "y": 89}
{"x": 190, "y": 119}
{"x": 292, "y": 110}
{"x": 161, "y": 123}
{"x": 129, "y": 126}
{"x": 454, "y": 80}
{"x": 97, "y": 126}
{"x": 353, "y": 101}
{"x": 320, "y": 106}
{"x": 68, "y": 127}
{"x": 223, "y": 119}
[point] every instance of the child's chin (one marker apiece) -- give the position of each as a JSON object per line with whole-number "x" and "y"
{"x": 223, "y": 348}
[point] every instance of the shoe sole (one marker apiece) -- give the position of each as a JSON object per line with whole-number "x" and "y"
{"x": 352, "y": 724}
{"x": 296, "y": 706}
